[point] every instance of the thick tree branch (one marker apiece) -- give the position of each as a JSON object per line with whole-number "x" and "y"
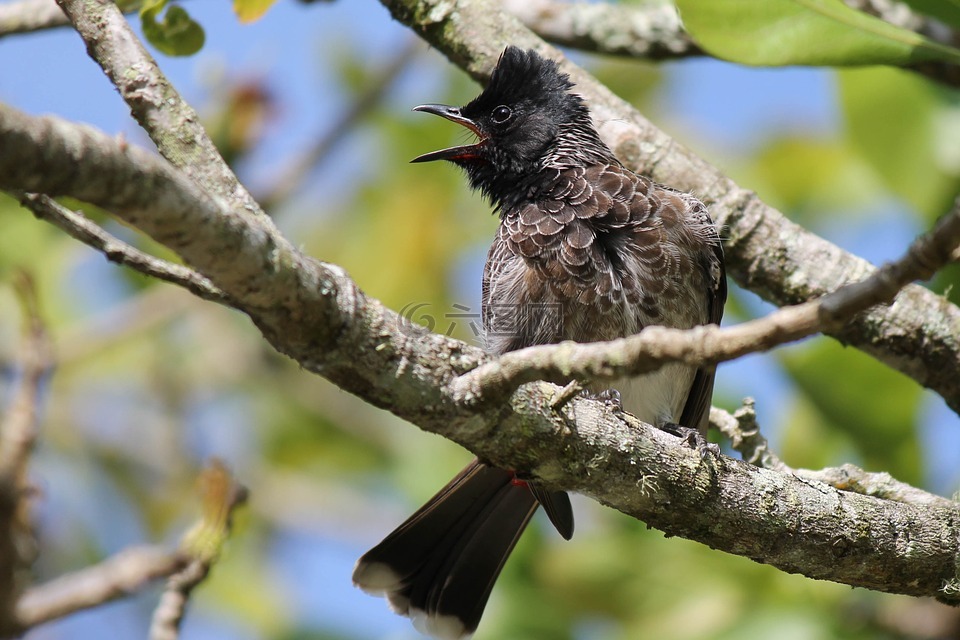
{"x": 116, "y": 577}
{"x": 57, "y": 158}
{"x": 25, "y": 16}
{"x": 648, "y": 32}
{"x": 313, "y": 312}
{"x": 919, "y": 335}
{"x": 655, "y": 32}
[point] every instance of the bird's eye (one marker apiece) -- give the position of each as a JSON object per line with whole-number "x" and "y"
{"x": 501, "y": 114}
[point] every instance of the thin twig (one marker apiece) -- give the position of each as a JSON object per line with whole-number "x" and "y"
{"x": 116, "y": 577}
{"x": 742, "y": 430}
{"x": 745, "y": 437}
{"x": 18, "y": 430}
{"x": 879, "y": 484}
{"x": 88, "y": 232}
{"x": 18, "y": 433}
{"x": 220, "y": 495}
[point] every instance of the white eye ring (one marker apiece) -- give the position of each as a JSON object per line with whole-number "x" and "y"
{"x": 501, "y": 114}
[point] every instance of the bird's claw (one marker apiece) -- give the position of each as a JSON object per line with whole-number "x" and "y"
{"x": 693, "y": 439}
{"x": 610, "y": 397}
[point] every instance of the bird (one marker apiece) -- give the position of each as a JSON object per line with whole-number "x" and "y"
{"x": 585, "y": 250}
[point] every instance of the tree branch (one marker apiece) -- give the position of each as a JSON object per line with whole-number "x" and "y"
{"x": 171, "y": 123}
{"x": 26, "y": 16}
{"x": 220, "y": 495}
{"x": 18, "y": 433}
{"x": 116, "y": 577}
{"x": 744, "y": 434}
{"x": 18, "y": 429}
{"x": 648, "y": 32}
{"x": 315, "y": 313}
{"x": 88, "y": 232}
{"x": 655, "y": 31}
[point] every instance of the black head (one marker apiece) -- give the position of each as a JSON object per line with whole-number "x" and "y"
{"x": 526, "y": 120}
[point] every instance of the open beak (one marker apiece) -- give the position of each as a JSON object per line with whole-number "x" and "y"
{"x": 453, "y": 114}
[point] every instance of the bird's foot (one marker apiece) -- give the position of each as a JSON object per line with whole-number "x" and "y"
{"x": 693, "y": 439}
{"x": 609, "y": 397}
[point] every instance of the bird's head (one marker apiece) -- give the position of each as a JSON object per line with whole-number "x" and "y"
{"x": 526, "y": 120}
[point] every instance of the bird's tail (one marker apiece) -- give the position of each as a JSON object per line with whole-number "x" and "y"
{"x": 439, "y": 566}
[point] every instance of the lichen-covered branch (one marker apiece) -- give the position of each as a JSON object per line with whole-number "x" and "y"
{"x": 744, "y": 434}
{"x": 315, "y": 313}
{"x": 647, "y": 32}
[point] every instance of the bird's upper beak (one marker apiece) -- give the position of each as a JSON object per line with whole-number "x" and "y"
{"x": 453, "y": 114}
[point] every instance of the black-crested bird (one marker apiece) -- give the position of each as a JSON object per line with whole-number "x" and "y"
{"x": 586, "y": 250}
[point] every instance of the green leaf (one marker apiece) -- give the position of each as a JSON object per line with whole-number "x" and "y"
{"x": 251, "y": 10}
{"x": 804, "y": 32}
{"x": 945, "y": 10}
{"x": 811, "y": 177}
{"x": 854, "y": 395}
{"x": 901, "y": 126}
{"x": 176, "y": 34}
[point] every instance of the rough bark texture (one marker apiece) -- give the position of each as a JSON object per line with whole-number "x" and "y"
{"x": 314, "y": 313}
{"x": 317, "y": 315}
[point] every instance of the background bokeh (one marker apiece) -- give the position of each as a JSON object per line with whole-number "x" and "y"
{"x": 151, "y": 382}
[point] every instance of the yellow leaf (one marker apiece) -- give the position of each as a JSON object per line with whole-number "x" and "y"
{"x": 251, "y": 10}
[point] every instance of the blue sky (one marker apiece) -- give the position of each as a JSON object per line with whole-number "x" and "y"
{"x": 717, "y": 108}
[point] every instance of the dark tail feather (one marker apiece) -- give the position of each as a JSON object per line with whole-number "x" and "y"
{"x": 440, "y": 565}
{"x": 557, "y": 506}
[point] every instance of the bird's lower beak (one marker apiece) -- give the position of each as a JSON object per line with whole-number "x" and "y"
{"x": 453, "y": 114}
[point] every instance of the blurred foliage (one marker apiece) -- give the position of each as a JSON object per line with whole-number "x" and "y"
{"x": 919, "y": 158}
{"x": 152, "y": 382}
{"x": 948, "y": 11}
